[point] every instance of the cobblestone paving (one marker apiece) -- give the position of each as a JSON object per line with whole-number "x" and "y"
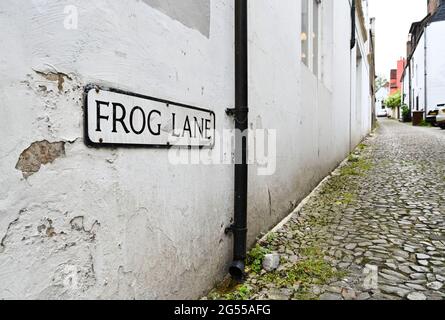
{"x": 375, "y": 230}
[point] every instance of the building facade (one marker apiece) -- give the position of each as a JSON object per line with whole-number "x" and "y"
{"x": 424, "y": 75}
{"x": 381, "y": 95}
{"x": 395, "y": 85}
{"x": 396, "y": 77}
{"x": 78, "y": 222}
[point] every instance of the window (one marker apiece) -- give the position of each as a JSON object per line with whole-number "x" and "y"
{"x": 315, "y": 34}
{"x": 393, "y": 74}
{"x": 310, "y": 34}
{"x": 305, "y": 32}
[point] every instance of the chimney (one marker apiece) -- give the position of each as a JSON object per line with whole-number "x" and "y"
{"x": 433, "y": 5}
{"x": 409, "y": 46}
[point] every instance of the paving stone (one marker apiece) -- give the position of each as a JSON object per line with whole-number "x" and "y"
{"x": 435, "y": 285}
{"x": 351, "y": 246}
{"x": 278, "y": 295}
{"x": 418, "y": 276}
{"x": 401, "y": 254}
{"x": 415, "y": 286}
{"x": 271, "y": 262}
{"x": 395, "y": 290}
{"x": 420, "y": 269}
{"x": 394, "y": 274}
{"x": 405, "y": 269}
{"x": 349, "y": 294}
{"x": 336, "y": 290}
{"x": 409, "y": 249}
{"x": 431, "y": 277}
{"x": 416, "y": 296}
{"x": 440, "y": 278}
{"x": 363, "y": 296}
{"x": 330, "y": 296}
{"x": 421, "y": 256}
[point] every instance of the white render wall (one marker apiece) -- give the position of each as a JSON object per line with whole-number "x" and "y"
{"x": 418, "y": 75}
{"x": 380, "y": 97}
{"x": 158, "y": 229}
{"x": 124, "y": 223}
{"x": 312, "y": 116}
{"x": 435, "y": 43}
{"x": 436, "y": 64}
{"x": 361, "y": 119}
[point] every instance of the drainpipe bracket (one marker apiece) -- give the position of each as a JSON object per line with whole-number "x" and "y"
{"x": 234, "y": 112}
{"x": 240, "y": 114}
{"x": 233, "y": 229}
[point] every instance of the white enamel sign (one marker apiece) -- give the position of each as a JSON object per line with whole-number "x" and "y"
{"x": 114, "y": 117}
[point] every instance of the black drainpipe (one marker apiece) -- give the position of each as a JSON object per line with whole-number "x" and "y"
{"x": 351, "y": 66}
{"x": 240, "y": 113}
{"x": 353, "y": 24}
{"x": 426, "y": 71}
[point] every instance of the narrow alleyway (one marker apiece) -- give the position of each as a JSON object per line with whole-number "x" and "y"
{"x": 374, "y": 230}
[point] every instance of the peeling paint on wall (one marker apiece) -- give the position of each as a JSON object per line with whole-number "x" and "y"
{"x": 59, "y": 77}
{"x": 34, "y": 242}
{"x": 38, "y": 154}
{"x": 194, "y": 14}
{"x": 56, "y": 248}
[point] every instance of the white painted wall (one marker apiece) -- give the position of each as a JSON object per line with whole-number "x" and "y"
{"x": 161, "y": 232}
{"x": 311, "y": 115}
{"x": 418, "y": 76}
{"x": 405, "y": 88}
{"x": 436, "y": 64}
{"x": 124, "y": 223}
{"x": 435, "y": 46}
{"x": 361, "y": 121}
{"x": 380, "y": 97}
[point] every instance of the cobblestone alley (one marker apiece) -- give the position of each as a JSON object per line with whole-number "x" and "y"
{"x": 374, "y": 230}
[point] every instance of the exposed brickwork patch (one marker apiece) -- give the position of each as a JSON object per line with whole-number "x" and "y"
{"x": 38, "y": 154}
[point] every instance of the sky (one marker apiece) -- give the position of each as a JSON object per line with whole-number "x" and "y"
{"x": 393, "y": 20}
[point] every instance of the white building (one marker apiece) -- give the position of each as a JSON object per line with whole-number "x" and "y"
{"x": 424, "y": 76}
{"x": 123, "y": 222}
{"x": 380, "y": 97}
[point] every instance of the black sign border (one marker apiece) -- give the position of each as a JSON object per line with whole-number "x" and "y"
{"x": 90, "y": 143}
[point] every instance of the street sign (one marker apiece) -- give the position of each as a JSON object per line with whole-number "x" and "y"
{"x": 116, "y": 118}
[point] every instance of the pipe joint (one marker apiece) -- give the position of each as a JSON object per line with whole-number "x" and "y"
{"x": 236, "y": 230}
{"x": 239, "y": 114}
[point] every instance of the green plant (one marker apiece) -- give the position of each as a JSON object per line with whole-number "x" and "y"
{"x": 424, "y": 124}
{"x": 353, "y": 158}
{"x": 255, "y": 258}
{"x": 356, "y": 168}
{"x": 394, "y": 101}
{"x": 347, "y": 198}
{"x": 271, "y": 237}
{"x": 311, "y": 270}
{"x": 406, "y": 113}
{"x": 241, "y": 293}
